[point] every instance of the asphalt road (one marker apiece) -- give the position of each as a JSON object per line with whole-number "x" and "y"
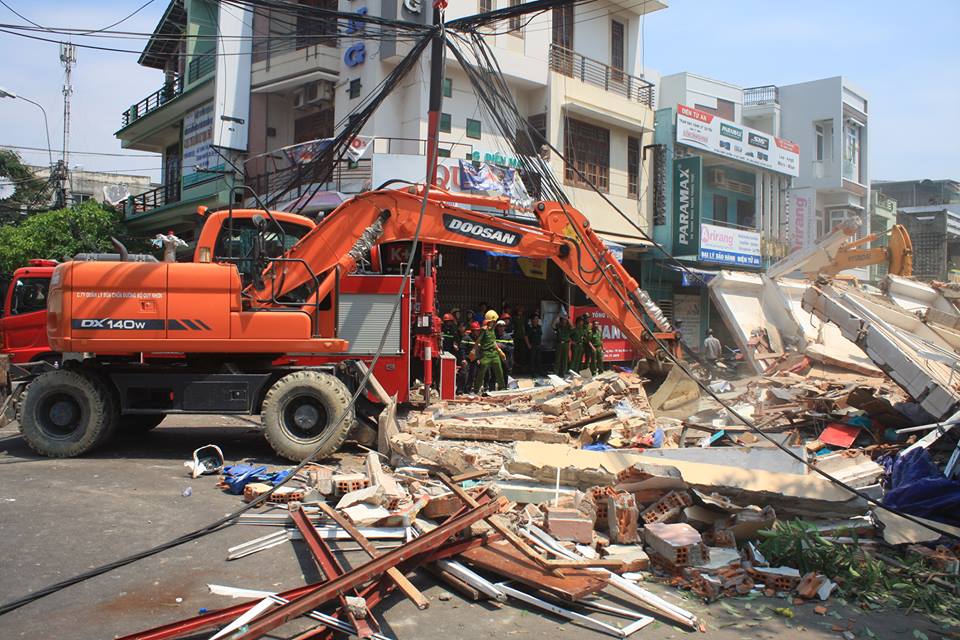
{"x": 59, "y": 518}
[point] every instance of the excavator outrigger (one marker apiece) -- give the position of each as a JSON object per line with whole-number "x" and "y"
{"x": 232, "y": 332}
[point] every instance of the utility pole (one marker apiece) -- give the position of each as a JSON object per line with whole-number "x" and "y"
{"x": 68, "y": 56}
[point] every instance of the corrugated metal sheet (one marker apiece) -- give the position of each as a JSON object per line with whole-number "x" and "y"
{"x": 362, "y": 318}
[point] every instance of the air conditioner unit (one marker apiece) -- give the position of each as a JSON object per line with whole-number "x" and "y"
{"x": 318, "y": 91}
{"x": 300, "y": 99}
{"x": 715, "y": 177}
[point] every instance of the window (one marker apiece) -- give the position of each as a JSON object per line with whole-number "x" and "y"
{"x": 355, "y": 86}
{"x": 29, "y": 295}
{"x": 587, "y": 148}
{"x": 819, "y": 134}
{"x": 486, "y": 6}
{"x": 443, "y": 153}
{"x": 473, "y": 129}
{"x": 238, "y": 243}
{"x": 617, "y": 53}
{"x": 633, "y": 167}
{"x": 745, "y": 213}
{"x": 448, "y": 87}
{"x": 851, "y": 151}
{"x": 719, "y": 208}
{"x": 445, "y": 123}
{"x": 527, "y": 143}
{"x": 313, "y": 30}
{"x": 314, "y": 126}
{"x": 516, "y": 25}
{"x": 79, "y": 198}
{"x": 725, "y": 109}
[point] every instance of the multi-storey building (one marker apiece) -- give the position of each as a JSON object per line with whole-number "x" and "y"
{"x": 576, "y": 73}
{"x": 828, "y": 118}
{"x": 919, "y": 193}
{"x": 724, "y": 174}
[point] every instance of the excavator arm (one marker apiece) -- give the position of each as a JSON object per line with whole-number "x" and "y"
{"x": 563, "y": 236}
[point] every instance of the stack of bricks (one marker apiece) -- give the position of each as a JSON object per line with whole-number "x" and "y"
{"x": 344, "y": 483}
{"x": 777, "y": 578}
{"x": 622, "y": 518}
{"x": 667, "y": 508}
{"x": 599, "y": 495}
{"x": 731, "y": 580}
{"x": 678, "y": 545}
{"x": 568, "y": 524}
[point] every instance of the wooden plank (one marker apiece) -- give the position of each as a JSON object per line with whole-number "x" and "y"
{"x": 412, "y": 593}
{"x": 499, "y": 433}
{"x": 504, "y": 560}
{"x": 373, "y": 383}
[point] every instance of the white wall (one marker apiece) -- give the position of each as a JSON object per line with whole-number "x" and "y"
{"x": 802, "y": 105}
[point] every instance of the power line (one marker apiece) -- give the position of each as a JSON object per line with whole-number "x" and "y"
{"x": 20, "y": 15}
{"x": 84, "y": 153}
{"x": 121, "y": 20}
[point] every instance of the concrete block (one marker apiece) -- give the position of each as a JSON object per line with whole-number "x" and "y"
{"x": 633, "y": 557}
{"x": 568, "y": 524}
{"x": 679, "y": 544}
{"x": 667, "y": 508}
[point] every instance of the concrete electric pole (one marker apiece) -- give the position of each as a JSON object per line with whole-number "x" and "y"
{"x": 68, "y": 56}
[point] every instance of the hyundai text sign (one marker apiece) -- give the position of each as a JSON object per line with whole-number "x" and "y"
{"x": 723, "y": 245}
{"x": 696, "y": 128}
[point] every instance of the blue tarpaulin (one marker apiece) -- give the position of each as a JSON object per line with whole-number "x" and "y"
{"x": 918, "y": 487}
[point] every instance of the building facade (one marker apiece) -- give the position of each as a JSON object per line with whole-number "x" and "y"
{"x": 883, "y": 216}
{"x": 935, "y": 233}
{"x": 106, "y": 188}
{"x": 919, "y": 193}
{"x": 724, "y": 172}
{"x": 577, "y": 78}
{"x": 829, "y": 120}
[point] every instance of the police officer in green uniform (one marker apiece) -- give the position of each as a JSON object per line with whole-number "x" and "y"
{"x": 561, "y": 361}
{"x": 490, "y": 353}
{"x": 581, "y": 343}
{"x": 596, "y": 341}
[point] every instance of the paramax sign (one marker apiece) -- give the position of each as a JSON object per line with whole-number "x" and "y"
{"x": 480, "y": 231}
{"x": 706, "y": 131}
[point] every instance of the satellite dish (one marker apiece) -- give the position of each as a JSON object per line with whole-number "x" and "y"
{"x": 6, "y": 190}
{"x": 116, "y": 193}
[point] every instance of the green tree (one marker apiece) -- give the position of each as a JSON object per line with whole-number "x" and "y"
{"x": 59, "y": 234}
{"x": 27, "y": 189}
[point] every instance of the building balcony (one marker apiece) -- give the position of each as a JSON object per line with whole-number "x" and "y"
{"x": 169, "y": 91}
{"x": 573, "y": 65}
{"x": 200, "y": 67}
{"x": 160, "y": 197}
{"x": 757, "y": 96}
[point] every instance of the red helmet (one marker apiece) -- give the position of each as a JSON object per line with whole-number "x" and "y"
{"x": 474, "y": 325}
{"x": 505, "y": 316}
{"x": 448, "y": 316}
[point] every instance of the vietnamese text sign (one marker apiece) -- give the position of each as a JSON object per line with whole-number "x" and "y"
{"x": 197, "y": 152}
{"x": 616, "y": 346}
{"x": 706, "y": 131}
{"x": 803, "y": 217}
{"x": 724, "y": 245}
{"x": 687, "y": 181}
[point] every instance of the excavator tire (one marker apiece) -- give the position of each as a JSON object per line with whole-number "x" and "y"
{"x": 140, "y": 422}
{"x": 66, "y": 413}
{"x": 300, "y": 411}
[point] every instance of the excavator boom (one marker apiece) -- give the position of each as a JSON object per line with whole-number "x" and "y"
{"x": 563, "y": 236}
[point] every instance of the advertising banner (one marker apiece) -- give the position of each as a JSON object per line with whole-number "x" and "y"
{"x": 803, "y": 217}
{"x": 687, "y": 200}
{"x": 706, "y": 131}
{"x": 724, "y": 245}
{"x": 616, "y": 346}
{"x": 197, "y": 153}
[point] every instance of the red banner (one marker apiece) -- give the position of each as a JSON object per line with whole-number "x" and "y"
{"x": 616, "y": 346}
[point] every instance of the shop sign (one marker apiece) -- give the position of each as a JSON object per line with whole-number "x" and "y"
{"x": 198, "y": 155}
{"x": 696, "y": 128}
{"x": 616, "y": 346}
{"x": 724, "y": 245}
{"x": 803, "y": 217}
{"x": 687, "y": 181}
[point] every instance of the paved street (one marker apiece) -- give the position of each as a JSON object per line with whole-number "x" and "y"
{"x": 61, "y": 517}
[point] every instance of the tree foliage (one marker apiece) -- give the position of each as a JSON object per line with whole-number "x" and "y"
{"x": 28, "y": 190}
{"x": 58, "y": 234}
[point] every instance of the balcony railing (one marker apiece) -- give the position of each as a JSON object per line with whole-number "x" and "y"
{"x": 590, "y": 71}
{"x": 154, "y": 101}
{"x": 200, "y": 66}
{"x": 761, "y": 95}
{"x": 293, "y": 181}
{"x": 159, "y": 197}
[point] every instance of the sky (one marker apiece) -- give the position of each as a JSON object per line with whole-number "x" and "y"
{"x": 904, "y": 55}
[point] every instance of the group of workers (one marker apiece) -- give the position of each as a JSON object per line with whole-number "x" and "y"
{"x": 490, "y": 346}
{"x": 580, "y": 346}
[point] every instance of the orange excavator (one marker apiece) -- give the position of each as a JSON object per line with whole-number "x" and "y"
{"x": 232, "y": 332}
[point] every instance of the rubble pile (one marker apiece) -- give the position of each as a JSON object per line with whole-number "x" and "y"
{"x": 553, "y": 495}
